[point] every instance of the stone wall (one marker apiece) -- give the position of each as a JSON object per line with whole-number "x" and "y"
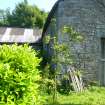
{"x": 88, "y": 18}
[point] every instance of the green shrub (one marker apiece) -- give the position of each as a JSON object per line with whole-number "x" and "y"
{"x": 19, "y": 75}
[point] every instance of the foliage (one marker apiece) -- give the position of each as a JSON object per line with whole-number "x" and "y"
{"x": 3, "y": 21}
{"x": 73, "y": 35}
{"x": 61, "y": 56}
{"x": 19, "y": 75}
{"x": 25, "y": 15}
{"x": 91, "y": 96}
{"x": 62, "y": 53}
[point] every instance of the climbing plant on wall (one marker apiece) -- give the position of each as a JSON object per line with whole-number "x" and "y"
{"x": 61, "y": 54}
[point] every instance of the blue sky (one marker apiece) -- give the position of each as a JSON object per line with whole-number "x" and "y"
{"x": 42, "y": 4}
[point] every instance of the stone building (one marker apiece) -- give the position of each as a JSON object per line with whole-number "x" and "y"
{"x": 9, "y": 35}
{"x": 88, "y": 18}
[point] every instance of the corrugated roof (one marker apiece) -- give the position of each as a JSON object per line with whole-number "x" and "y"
{"x": 20, "y": 35}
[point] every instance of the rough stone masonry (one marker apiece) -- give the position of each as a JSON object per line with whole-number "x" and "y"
{"x": 88, "y": 18}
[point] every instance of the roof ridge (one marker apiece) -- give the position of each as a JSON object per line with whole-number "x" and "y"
{"x": 51, "y": 13}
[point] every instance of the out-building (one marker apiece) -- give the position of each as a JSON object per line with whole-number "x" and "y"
{"x": 10, "y": 35}
{"x": 88, "y": 18}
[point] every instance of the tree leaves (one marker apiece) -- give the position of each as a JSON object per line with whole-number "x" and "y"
{"x": 25, "y": 15}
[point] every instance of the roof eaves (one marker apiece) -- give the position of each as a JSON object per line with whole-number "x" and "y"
{"x": 51, "y": 14}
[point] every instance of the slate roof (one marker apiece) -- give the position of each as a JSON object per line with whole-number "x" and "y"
{"x": 19, "y": 35}
{"x": 54, "y": 8}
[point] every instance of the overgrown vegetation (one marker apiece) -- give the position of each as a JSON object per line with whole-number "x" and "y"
{"x": 63, "y": 56}
{"x": 90, "y": 96}
{"x": 22, "y": 82}
{"x": 19, "y": 76}
{"x": 60, "y": 57}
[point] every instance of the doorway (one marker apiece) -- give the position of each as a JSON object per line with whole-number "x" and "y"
{"x": 102, "y": 72}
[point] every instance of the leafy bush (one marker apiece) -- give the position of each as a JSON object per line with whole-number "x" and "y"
{"x": 19, "y": 75}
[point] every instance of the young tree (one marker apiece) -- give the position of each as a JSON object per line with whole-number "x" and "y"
{"x": 25, "y": 15}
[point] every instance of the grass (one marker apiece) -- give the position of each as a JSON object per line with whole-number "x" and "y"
{"x": 91, "y": 96}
